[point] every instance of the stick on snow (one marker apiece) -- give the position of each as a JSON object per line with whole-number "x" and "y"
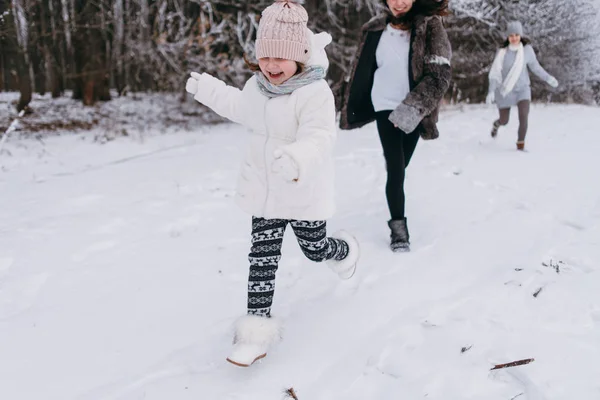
{"x": 291, "y": 394}
{"x": 11, "y": 128}
{"x": 513, "y": 364}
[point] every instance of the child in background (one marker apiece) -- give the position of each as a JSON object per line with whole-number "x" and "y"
{"x": 509, "y": 80}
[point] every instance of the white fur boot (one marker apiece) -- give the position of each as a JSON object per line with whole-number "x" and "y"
{"x": 254, "y": 336}
{"x": 345, "y": 268}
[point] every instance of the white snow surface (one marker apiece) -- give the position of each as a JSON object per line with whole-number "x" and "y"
{"x": 123, "y": 267}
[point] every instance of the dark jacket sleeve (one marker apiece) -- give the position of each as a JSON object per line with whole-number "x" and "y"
{"x": 425, "y": 97}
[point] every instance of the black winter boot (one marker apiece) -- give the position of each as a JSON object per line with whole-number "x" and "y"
{"x": 399, "y": 235}
{"x": 495, "y": 127}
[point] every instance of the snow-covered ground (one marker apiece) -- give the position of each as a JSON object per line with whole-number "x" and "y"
{"x": 123, "y": 267}
{"x": 134, "y": 115}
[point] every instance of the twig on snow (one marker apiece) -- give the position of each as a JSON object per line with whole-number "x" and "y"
{"x": 290, "y": 393}
{"x": 513, "y": 364}
{"x": 11, "y": 128}
{"x": 554, "y": 265}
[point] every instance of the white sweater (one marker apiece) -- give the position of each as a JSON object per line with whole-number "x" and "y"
{"x": 302, "y": 124}
{"x": 391, "y": 81}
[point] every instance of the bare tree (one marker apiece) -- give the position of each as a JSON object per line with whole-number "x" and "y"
{"x": 90, "y": 53}
{"x": 93, "y": 45}
{"x": 18, "y": 41}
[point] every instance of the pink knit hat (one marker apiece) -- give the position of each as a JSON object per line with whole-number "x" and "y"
{"x": 282, "y": 32}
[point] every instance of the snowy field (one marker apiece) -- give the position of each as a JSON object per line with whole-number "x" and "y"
{"x": 123, "y": 267}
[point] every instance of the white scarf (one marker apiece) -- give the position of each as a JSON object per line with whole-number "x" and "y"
{"x": 514, "y": 73}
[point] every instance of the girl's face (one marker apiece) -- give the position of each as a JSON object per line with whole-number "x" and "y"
{"x": 277, "y": 70}
{"x": 514, "y": 39}
{"x": 399, "y": 7}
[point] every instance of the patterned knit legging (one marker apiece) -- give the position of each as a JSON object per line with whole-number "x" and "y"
{"x": 267, "y": 238}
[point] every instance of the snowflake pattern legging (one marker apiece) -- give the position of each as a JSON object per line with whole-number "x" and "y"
{"x": 267, "y": 239}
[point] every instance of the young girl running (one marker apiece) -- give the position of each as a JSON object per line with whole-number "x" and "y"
{"x": 287, "y": 177}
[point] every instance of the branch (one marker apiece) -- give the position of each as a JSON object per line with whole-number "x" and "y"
{"x": 290, "y": 393}
{"x": 11, "y": 128}
{"x": 513, "y": 364}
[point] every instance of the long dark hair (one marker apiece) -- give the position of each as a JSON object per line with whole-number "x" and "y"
{"x": 419, "y": 7}
{"x": 524, "y": 40}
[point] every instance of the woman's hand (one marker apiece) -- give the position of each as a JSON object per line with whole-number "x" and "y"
{"x": 406, "y": 118}
{"x": 553, "y": 82}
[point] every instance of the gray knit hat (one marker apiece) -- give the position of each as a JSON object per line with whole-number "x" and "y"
{"x": 282, "y": 32}
{"x": 514, "y": 28}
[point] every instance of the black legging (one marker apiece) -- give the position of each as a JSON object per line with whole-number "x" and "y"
{"x": 523, "y": 107}
{"x": 398, "y": 148}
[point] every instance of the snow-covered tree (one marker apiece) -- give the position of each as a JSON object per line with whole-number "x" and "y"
{"x": 89, "y": 45}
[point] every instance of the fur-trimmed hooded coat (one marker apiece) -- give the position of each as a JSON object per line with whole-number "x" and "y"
{"x": 300, "y": 124}
{"x": 429, "y": 71}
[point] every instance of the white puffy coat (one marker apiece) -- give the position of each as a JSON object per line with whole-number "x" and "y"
{"x": 301, "y": 124}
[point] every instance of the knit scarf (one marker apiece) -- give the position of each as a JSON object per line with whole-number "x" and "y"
{"x": 513, "y": 75}
{"x": 309, "y": 75}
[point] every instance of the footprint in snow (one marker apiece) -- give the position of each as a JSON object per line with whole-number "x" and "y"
{"x": 5, "y": 265}
{"x": 18, "y": 295}
{"x": 85, "y": 201}
{"x": 94, "y": 248}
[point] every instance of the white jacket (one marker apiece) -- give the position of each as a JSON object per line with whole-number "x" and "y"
{"x": 301, "y": 124}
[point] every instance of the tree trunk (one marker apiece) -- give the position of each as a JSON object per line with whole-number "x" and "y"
{"x": 17, "y": 20}
{"x": 56, "y": 86}
{"x": 46, "y": 45}
{"x": 2, "y": 74}
{"x": 118, "y": 44}
{"x": 92, "y": 79}
{"x": 69, "y": 64}
{"x": 24, "y": 80}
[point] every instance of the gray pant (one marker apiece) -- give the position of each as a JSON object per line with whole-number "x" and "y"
{"x": 523, "y": 107}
